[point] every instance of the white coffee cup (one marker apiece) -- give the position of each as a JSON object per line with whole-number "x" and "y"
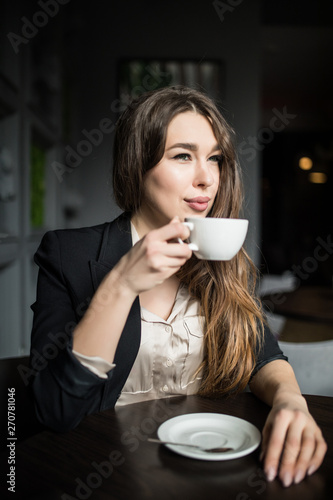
{"x": 216, "y": 239}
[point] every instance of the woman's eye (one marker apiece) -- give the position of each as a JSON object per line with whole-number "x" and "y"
{"x": 183, "y": 157}
{"x": 216, "y": 159}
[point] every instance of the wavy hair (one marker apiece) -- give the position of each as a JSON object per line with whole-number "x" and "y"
{"x": 225, "y": 290}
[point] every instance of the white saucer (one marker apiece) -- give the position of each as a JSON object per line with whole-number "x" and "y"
{"x": 210, "y": 430}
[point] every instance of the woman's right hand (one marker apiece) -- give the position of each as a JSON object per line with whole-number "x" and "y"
{"x": 150, "y": 261}
{"x": 154, "y": 258}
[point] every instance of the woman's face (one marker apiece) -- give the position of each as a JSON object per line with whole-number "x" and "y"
{"x": 186, "y": 180}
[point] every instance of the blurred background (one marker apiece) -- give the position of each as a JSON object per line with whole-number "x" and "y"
{"x": 68, "y": 68}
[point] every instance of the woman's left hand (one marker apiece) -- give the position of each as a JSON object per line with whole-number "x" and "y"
{"x": 292, "y": 443}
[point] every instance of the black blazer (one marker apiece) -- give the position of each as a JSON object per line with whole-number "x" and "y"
{"x": 72, "y": 263}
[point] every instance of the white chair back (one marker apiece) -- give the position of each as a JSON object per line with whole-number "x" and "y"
{"x": 313, "y": 365}
{"x": 271, "y": 283}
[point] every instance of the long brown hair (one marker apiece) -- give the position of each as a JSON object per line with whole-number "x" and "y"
{"x": 225, "y": 290}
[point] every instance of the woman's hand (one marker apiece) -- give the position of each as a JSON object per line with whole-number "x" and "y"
{"x": 292, "y": 445}
{"x": 151, "y": 261}
{"x": 154, "y": 258}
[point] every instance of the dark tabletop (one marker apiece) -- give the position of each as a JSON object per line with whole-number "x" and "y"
{"x": 311, "y": 303}
{"x": 108, "y": 457}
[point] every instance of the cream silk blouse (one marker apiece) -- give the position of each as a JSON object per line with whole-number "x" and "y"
{"x": 169, "y": 355}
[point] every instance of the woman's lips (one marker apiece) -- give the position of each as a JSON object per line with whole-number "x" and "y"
{"x": 199, "y": 204}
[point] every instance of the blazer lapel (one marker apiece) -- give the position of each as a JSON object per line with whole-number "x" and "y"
{"x": 116, "y": 241}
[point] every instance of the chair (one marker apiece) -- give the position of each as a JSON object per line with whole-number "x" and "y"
{"x": 313, "y": 365}
{"x": 285, "y": 282}
{"x": 13, "y": 375}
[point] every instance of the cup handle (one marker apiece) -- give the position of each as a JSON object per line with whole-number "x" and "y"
{"x": 192, "y": 246}
{"x": 190, "y": 225}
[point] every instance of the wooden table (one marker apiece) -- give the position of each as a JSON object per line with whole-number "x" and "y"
{"x": 310, "y": 303}
{"x": 108, "y": 457}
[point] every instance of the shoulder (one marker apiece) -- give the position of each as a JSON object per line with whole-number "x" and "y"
{"x": 83, "y": 242}
{"x": 122, "y": 222}
{"x": 74, "y": 240}
{"x": 89, "y": 234}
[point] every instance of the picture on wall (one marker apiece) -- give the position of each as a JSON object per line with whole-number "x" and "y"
{"x": 137, "y": 76}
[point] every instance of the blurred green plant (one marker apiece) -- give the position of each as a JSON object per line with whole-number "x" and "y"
{"x": 37, "y": 186}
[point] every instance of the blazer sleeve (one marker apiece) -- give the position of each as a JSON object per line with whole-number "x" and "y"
{"x": 270, "y": 351}
{"x": 64, "y": 390}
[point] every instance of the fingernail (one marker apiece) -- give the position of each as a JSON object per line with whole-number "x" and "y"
{"x": 270, "y": 473}
{"x": 311, "y": 470}
{"x": 287, "y": 479}
{"x": 299, "y": 476}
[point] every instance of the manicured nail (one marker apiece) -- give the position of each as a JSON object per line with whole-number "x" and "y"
{"x": 299, "y": 476}
{"x": 270, "y": 473}
{"x": 287, "y": 479}
{"x": 311, "y": 470}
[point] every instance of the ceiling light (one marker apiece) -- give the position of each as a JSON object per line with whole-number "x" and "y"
{"x": 318, "y": 177}
{"x": 305, "y": 163}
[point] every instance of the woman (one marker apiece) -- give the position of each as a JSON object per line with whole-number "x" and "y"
{"x": 202, "y": 329}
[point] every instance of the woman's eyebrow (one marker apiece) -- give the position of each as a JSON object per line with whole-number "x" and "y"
{"x": 191, "y": 147}
{"x": 184, "y": 145}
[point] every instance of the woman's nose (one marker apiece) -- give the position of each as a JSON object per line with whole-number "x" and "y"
{"x": 203, "y": 174}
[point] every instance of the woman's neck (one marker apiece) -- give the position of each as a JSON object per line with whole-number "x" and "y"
{"x": 144, "y": 223}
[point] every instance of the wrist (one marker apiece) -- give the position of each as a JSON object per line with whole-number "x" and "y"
{"x": 286, "y": 395}
{"x": 117, "y": 281}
